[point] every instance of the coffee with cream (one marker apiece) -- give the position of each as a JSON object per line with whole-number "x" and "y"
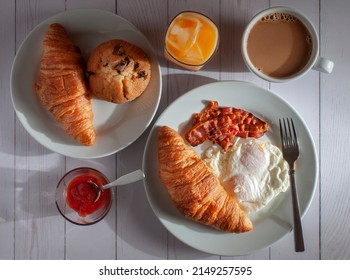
{"x": 279, "y": 45}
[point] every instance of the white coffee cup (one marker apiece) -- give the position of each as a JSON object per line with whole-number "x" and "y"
{"x": 315, "y": 61}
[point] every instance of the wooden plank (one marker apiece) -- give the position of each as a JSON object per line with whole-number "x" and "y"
{"x": 306, "y": 88}
{"x": 180, "y": 81}
{"x": 335, "y": 152}
{"x": 235, "y": 15}
{"x": 38, "y": 232}
{"x": 91, "y": 4}
{"x": 234, "y": 61}
{"x": 95, "y": 241}
{"x": 140, "y": 234}
{"x": 7, "y": 138}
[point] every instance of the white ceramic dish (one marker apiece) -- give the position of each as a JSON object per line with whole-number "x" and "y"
{"x": 117, "y": 126}
{"x": 272, "y": 222}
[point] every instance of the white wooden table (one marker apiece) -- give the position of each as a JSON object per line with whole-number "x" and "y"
{"x": 29, "y": 172}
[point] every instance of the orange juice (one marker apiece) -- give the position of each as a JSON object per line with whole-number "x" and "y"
{"x": 191, "y": 40}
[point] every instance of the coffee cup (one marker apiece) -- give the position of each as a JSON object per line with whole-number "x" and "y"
{"x": 280, "y": 44}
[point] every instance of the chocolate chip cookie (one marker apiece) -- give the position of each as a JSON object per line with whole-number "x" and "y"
{"x": 118, "y": 71}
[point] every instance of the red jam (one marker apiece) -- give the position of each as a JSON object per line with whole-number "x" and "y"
{"x": 81, "y": 195}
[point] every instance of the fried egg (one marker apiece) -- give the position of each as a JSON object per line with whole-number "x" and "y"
{"x": 253, "y": 170}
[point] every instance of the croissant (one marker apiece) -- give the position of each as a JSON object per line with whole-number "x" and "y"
{"x": 193, "y": 187}
{"x": 61, "y": 87}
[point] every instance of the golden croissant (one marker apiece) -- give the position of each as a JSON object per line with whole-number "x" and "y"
{"x": 61, "y": 86}
{"x": 194, "y": 188}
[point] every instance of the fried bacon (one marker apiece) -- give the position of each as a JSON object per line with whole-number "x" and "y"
{"x": 220, "y": 125}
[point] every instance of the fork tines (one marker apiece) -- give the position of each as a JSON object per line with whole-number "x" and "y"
{"x": 288, "y": 134}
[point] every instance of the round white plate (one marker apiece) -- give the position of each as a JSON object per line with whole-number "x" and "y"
{"x": 272, "y": 222}
{"x": 117, "y": 125}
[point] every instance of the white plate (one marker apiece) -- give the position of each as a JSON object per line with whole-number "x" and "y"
{"x": 272, "y": 222}
{"x": 117, "y": 126}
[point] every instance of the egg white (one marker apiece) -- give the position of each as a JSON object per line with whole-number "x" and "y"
{"x": 253, "y": 170}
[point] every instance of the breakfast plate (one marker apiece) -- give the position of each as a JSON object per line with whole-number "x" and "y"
{"x": 117, "y": 125}
{"x": 272, "y": 222}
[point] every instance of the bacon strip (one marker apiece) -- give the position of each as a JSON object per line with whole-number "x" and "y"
{"x": 220, "y": 125}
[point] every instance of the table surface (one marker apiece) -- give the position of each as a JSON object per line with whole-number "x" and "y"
{"x": 32, "y": 228}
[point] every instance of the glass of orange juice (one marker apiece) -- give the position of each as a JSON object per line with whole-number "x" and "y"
{"x": 191, "y": 40}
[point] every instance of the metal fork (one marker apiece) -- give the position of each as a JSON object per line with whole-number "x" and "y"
{"x": 290, "y": 150}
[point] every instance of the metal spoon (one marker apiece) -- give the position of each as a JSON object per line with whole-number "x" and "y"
{"x": 123, "y": 180}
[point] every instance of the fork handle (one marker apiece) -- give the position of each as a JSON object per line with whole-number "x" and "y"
{"x": 298, "y": 230}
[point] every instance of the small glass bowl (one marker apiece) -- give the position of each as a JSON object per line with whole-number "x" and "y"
{"x": 72, "y": 215}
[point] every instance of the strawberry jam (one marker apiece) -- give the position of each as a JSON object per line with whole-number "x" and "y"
{"x": 81, "y": 195}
